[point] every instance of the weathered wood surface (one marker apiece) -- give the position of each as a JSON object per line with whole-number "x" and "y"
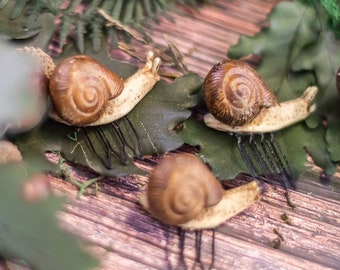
{"x": 123, "y": 236}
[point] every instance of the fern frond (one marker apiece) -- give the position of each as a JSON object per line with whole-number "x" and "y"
{"x": 68, "y": 19}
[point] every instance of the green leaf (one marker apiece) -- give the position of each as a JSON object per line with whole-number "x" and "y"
{"x": 325, "y": 62}
{"x": 292, "y": 27}
{"x": 295, "y": 54}
{"x": 30, "y": 230}
{"x": 299, "y": 140}
{"x": 153, "y": 121}
{"x": 218, "y": 149}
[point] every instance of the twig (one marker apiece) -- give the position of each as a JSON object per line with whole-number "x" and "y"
{"x": 177, "y": 56}
{"x": 118, "y": 25}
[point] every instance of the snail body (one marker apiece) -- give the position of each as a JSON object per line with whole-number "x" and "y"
{"x": 239, "y": 101}
{"x": 182, "y": 191}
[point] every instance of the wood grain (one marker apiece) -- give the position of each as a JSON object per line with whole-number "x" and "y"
{"x": 124, "y": 236}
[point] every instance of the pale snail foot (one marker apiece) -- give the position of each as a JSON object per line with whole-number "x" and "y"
{"x": 273, "y": 118}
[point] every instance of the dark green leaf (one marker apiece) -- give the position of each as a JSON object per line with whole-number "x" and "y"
{"x": 299, "y": 140}
{"x": 218, "y": 149}
{"x": 153, "y": 120}
{"x": 325, "y": 62}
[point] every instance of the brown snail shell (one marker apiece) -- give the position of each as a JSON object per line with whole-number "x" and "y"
{"x": 180, "y": 187}
{"x": 80, "y": 88}
{"x": 235, "y": 94}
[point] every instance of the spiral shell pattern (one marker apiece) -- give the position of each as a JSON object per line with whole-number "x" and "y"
{"x": 180, "y": 187}
{"x": 80, "y": 88}
{"x": 235, "y": 93}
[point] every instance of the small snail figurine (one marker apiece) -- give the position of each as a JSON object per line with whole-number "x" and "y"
{"x": 83, "y": 92}
{"x": 182, "y": 191}
{"x": 240, "y": 102}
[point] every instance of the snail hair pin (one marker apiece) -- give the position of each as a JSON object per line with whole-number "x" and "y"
{"x": 241, "y": 104}
{"x": 183, "y": 192}
{"x": 85, "y": 93}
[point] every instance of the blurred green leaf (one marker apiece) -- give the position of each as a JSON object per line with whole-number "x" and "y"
{"x": 30, "y": 230}
{"x": 15, "y": 28}
{"x": 17, "y": 18}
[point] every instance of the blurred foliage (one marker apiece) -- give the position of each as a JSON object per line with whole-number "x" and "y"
{"x": 30, "y": 229}
{"x": 18, "y": 96}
